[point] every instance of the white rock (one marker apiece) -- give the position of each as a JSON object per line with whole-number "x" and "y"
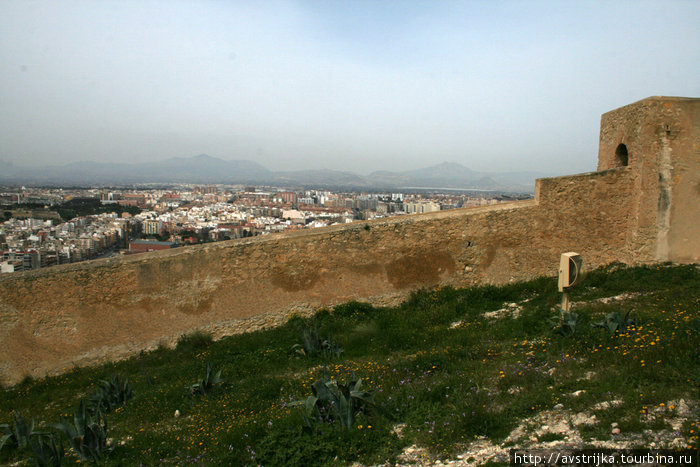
{"x": 583, "y": 419}
{"x": 177, "y": 413}
{"x": 682, "y": 408}
{"x": 607, "y": 404}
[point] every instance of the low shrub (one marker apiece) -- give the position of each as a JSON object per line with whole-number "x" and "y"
{"x": 332, "y": 445}
{"x": 353, "y": 309}
{"x": 196, "y": 340}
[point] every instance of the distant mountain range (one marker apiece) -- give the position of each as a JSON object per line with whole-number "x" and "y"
{"x": 208, "y": 169}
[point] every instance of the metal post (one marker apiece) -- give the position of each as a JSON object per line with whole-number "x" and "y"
{"x": 565, "y": 304}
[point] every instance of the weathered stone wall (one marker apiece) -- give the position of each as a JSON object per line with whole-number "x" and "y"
{"x": 681, "y": 231}
{"x": 662, "y": 138}
{"x": 84, "y": 313}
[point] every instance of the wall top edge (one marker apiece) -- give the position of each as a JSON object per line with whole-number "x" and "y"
{"x": 583, "y": 175}
{"x": 659, "y": 99}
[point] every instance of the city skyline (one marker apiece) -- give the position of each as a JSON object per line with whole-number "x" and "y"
{"x": 358, "y": 86}
{"x": 44, "y": 227}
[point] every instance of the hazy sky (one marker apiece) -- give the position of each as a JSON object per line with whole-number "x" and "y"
{"x": 355, "y": 85}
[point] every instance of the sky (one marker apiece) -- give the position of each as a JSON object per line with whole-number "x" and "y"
{"x": 346, "y": 85}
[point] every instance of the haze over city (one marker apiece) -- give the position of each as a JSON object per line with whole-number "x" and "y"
{"x": 358, "y": 86}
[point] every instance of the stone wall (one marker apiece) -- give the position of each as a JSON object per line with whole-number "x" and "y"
{"x": 84, "y": 313}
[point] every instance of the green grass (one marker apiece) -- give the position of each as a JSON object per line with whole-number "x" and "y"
{"x": 448, "y": 384}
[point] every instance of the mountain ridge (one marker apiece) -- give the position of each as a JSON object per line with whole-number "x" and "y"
{"x": 203, "y": 168}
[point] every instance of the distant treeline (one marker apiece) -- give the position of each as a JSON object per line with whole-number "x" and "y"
{"x": 70, "y": 209}
{"x": 78, "y": 207}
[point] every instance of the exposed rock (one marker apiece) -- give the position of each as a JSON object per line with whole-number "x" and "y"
{"x": 512, "y": 309}
{"x": 607, "y": 404}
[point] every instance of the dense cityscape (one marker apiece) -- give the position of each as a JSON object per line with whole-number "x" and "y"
{"x": 43, "y": 227}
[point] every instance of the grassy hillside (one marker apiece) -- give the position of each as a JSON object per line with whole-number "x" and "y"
{"x": 448, "y": 374}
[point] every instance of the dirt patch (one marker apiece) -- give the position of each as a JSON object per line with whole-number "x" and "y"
{"x": 293, "y": 278}
{"x": 420, "y": 269}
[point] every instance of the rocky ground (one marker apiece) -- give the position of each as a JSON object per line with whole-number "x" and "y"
{"x": 563, "y": 423}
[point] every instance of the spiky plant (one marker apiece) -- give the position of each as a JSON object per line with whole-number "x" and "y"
{"x": 313, "y": 345}
{"x": 19, "y": 434}
{"x": 87, "y": 434}
{"x": 567, "y": 324}
{"x": 111, "y": 394}
{"x": 335, "y": 402}
{"x": 617, "y": 323}
{"x": 47, "y": 451}
{"x": 207, "y": 384}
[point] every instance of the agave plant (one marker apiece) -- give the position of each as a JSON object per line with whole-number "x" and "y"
{"x": 567, "y": 323}
{"x": 335, "y": 402}
{"x": 19, "y": 434}
{"x": 47, "y": 451}
{"x": 616, "y": 323}
{"x": 313, "y": 345}
{"x": 87, "y": 434}
{"x": 351, "y": 402}
{"x": 110, "y": 395}
{"x": 210, "y": 382}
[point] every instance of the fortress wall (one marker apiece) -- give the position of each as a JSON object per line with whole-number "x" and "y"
{"x": 590, "y": 214}
{"x": 80, "y": 314}
{"x": 644, "y": 211}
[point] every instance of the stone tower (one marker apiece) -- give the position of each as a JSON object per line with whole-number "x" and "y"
{"x": 658, "y": 141}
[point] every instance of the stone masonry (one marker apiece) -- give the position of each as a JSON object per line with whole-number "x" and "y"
{"x": 641, "y": 206}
